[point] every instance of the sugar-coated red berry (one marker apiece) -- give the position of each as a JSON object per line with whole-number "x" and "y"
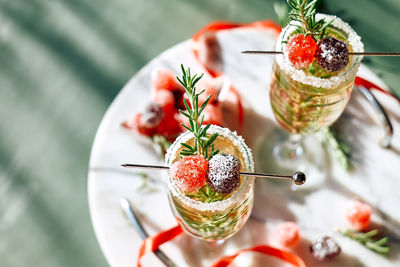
{"x": 210, "y": 90}
{"x": 300, "y": 50}
{"x": 164, "y": 79}
{"x": 190, "y": 173}
{"x": 359, "y": 215}
{"x": 213, "y": 115}
{"x": 287, "y": 234}
{"x": 166, "y": 100}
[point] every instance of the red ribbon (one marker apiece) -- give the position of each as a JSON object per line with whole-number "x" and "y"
{"x": 371, "y": 86}
{"x": 264, "y": 249}
{"x": 152, "y": 243}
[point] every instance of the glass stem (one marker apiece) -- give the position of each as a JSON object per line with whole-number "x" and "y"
{"x": 291, "y": 148}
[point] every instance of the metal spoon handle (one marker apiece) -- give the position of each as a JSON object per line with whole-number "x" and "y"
{"x": 133, "y": 218}
{"x": 382, "y": 115}
{"x": 298, "y": 178}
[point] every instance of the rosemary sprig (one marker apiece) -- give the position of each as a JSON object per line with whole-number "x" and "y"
{"x": 303, "y": 11}
{"x": 162, "y": 143}
{"x": 339, "y": 149}
{"x": 203, "y": 144}
{"x": 365, "y": 239}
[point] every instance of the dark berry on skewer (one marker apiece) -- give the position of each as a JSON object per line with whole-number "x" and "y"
{"x": 332, "y": 54}
{"x": 224, "y": 173}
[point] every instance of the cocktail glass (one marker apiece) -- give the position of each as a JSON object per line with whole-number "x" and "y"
{"x": 216, "y": 220}
{"x": 306, "y": 100}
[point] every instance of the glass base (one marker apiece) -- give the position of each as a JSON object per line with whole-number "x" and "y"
{"x": 286, "y": 154}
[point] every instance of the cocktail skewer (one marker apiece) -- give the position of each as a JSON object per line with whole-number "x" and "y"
{"x": 350, "y": 53}
{"x": 298, "y": 177}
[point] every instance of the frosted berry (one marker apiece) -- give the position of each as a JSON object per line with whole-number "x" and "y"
{"x": 325, "y": 248}
{"x": 301, "y": 50}
{"x": 164, "y": 79}
{"x": 224, "y": 173}
{"x": 166, "y": 100}
{"x": 152, "y": 116}
{"x": 210, "y": 89}
{"x": 359, "y": 215}
{"x": 190, "y": 173}
{"x": 332, "y": 54}
{"x": 213, "y": 115}
{"x": 287, "y": 234}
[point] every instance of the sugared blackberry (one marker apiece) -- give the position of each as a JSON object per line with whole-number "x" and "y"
{"x": 325, "y": 248}
{"x": 152, "y": 115}
{"x": 224, "y": 173}
{"x": 332, "y": 54}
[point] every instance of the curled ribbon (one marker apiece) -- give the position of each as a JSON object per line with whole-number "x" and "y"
{"x": 152, "y": 243}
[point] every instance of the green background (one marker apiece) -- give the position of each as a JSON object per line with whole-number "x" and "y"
{"x": 61, "y": 64}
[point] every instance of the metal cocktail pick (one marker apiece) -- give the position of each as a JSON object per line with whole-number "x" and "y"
{"x": 298, "y": 177}
{"x": 350, "y": 53}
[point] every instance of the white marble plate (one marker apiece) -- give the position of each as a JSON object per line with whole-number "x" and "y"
{"x": 374, "y": 179}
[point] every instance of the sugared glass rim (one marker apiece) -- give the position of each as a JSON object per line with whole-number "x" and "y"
{"x": 237, "y": 196}
{"x": 299, "y": 75}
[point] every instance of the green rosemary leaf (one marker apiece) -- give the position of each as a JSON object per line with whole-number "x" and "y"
{"x": 311, "y": 5}
{"x": 215, "y": 152}
{"x": 204, "y": 130}
{"x": 292, "y": 3}
{"x": 366, "y": 240}
{"x": 202, "y": 119}
{"x": 202, "y": 143}
{"x": 187, "y": 146}
{"x": 303, "y": 11}
{"x": 197, "y": 79}
{"x": 204, "y": 104}
{"x": 184, "y": 113}
{"x": 212, "y": 138}
{"x": 191, "y": 124}
{"x": 187, "y": 107}
{"x": 381, "y": 241}
{"x": 310, "y": 12}
{"x": 186, "y": 127}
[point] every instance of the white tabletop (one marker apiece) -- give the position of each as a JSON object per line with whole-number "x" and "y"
{"x": 317, "y": 211}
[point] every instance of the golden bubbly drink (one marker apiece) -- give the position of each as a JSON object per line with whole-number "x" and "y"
{"x": 304, "y": 100}
{"x": 209, "y": 215}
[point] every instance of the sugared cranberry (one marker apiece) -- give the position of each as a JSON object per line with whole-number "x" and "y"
{"x": 190, "y": 173}
{"x": 301, "y": 50}
{"x": 359, "y": 215}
